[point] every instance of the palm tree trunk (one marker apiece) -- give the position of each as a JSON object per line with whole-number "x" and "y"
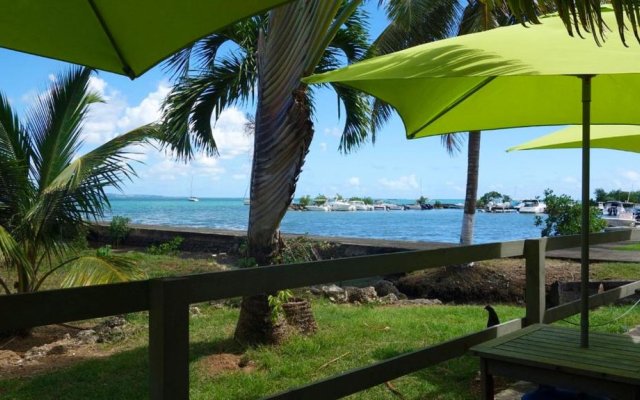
{"x": 473, "y": 167}
{"x": 282, "y": 137}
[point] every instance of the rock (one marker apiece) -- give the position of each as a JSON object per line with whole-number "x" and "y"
{"x": 332, "y": 290}
{"x": 8, "y": 357}
{"x": 389, "y": 299}
{"x": 194, "y": 311}
{"x": 384, "y": 287}
{"x": 57, "y": 349}
{"x": 36, "y": 352}
{"x": 361, "y": 295}
{"x": 88, "y": 336}
{"x": 111, "y": 330}
{"x": 316, "y": 290}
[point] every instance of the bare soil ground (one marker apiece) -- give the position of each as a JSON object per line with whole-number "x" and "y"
{"x": 501, "y": 281}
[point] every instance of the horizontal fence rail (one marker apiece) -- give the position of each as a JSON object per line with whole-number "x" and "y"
{"x": 168, "y": 301}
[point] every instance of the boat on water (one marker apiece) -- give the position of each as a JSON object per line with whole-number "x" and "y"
{"x": 619, "y": 214}
{"x": 500, "y": 208}
{"x": 531, "y": 207}
{"x": 246, "y": 202}
{"x": 361, "y": 206}
{"x": 191, "y": 196}
{"x": 413, "y": 207}
{"x": 341, "y": 205}
{"x": 384, "y": 206}
{"x": 317, "y": 207}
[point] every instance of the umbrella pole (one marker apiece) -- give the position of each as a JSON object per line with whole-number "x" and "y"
{"x": 584, "y": 255}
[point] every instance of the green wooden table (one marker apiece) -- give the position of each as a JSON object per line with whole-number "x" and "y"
{"x": 552, "y": 356}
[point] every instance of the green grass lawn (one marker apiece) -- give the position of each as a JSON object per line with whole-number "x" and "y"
{"x": 354, "y": 335}
{"x": 629, "y": 247}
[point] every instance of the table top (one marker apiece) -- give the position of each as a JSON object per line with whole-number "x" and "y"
{"x": 609, "y": 356}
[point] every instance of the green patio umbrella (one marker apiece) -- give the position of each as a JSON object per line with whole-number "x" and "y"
{"x": 122, "y": 36}
{"x": 508, "y": 77}
{"x": 615, "y": 137}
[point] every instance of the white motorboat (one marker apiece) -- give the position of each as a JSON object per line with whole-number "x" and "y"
{"x": 341, "y": 205}
{"x": 531, "y": 207}
{"x": 619, "y": 214}
{"x": 413, "y": 206}
{"x": 361, "y": 206}
{"x": 383, "y": 206}
{"x": 317, "y": 207}
{"x": 193, "y": 198}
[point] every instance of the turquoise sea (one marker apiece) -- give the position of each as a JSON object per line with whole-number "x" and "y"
{"x": 425, "y": 225}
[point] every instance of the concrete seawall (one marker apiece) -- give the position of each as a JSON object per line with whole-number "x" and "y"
{"x": 206, "y": 240}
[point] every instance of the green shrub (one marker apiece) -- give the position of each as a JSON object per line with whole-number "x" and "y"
{"x": 119, "y": 229}
{"x": 104, "y": 251}
{"x": 170, "y": 248}
{"x": 564, "y": 216}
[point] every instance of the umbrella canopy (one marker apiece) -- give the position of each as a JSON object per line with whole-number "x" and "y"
{"x": 125, "y": 37}
{"x": 508, "y": 77}
{"x": 615, "y": 137}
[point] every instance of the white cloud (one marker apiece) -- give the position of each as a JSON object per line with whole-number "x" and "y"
{"x": 354, "y": 181}
{"x": 146, "y": 112}
{"x": 323, "y": 146}
{"x": 632, "y": 176}
{"x": 230, "y": 136}
{"x": 335, "y": 131}
{"x": 239, "y": 177}
{"x": 403, "y": 183}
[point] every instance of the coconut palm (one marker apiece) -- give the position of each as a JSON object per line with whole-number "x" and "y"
{"x": 406, "y": 30}
{"x": 47, "y": 191}
{"x": 272, "y": 53}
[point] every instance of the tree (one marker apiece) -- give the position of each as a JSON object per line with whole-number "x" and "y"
{"x": 305, "y": 200}
{"x": 411, "y": 27}
{"x": 272, "y": 53}
{"x": 577, "y": 15}
{"x": 564, "y": 216}
{"x": 46, "y": 191}
{"x": 492, "y": 196}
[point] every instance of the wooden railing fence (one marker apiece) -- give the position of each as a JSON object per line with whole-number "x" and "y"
{"x": 168, "y": 300}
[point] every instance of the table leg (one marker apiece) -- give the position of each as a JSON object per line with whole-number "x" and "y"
{"x": 486, "y": 380}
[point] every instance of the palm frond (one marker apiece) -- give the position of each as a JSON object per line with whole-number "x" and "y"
{"x": 11, "y": 253}
{"x": 100, "y": 270}
{"x": 189, "y": 107}
{"x": 55, "y": 123}
{"x": 452, "y": 142}
{"x": 15, "y": 157}
{"x": 415, "y": 22}
{"x": 357, "y": 115}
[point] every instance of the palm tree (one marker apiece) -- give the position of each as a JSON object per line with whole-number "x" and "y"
{"x": 272, "y": 53}
{"x": 47, "y": 191}
{"x": 406, "y": 30}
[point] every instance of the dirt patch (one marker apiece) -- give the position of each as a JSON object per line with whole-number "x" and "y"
{"x": 488, "y": 281}
{"x": 54, "y": 347}
{"x": 217, "y": 364}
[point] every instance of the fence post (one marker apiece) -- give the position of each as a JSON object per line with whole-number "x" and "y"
{"x": 169, "y": 339}
{"x": 534, "y": 252}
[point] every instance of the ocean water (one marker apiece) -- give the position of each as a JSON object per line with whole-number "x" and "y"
{"x": 413, "y": 225}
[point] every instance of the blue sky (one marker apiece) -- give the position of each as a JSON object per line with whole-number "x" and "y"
{"x": 392, "y": 168}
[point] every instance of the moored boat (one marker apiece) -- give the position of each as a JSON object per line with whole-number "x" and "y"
{"x": 531, "y": 207}
{"x": 619, "y": 214}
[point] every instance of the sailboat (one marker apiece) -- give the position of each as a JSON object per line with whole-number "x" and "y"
{"x": 191, "y": 196}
